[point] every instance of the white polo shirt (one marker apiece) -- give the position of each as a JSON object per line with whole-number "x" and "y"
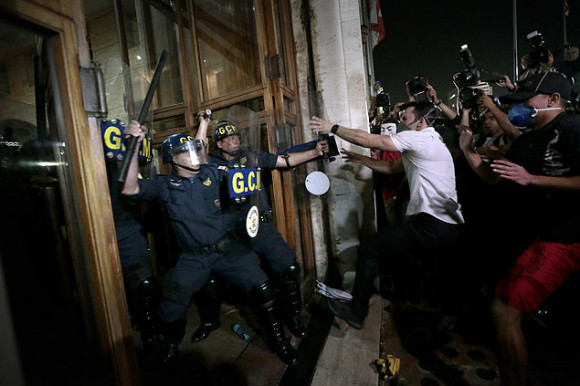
{"x": 431, "y": 174}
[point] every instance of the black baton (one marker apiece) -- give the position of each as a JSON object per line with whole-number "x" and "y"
{"x": 132, "y": 140}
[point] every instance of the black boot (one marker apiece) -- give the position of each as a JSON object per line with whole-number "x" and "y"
{"x": 173, "y": 333}
{"x": 291, "y": 299}
{"x": 208, "y": 301}
{"x": 263, "y": 299}
{"x": 146, "y": 302}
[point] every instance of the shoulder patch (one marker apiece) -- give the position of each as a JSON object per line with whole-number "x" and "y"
{"x": 207, "y": 182}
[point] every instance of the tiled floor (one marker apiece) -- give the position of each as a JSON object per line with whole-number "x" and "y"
{"x": 463, "y": 356}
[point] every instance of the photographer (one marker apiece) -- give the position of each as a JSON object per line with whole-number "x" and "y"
{"x": 568, "y": 62}
{"x": 537, "y": 61}
{"x": 500, "y": 117}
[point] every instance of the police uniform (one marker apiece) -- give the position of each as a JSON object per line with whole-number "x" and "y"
{"x": 140, "y": 283}
{"x": 194, "y": 210}
{"x": 133, "y": 247}
{"x": 268, "y": 243}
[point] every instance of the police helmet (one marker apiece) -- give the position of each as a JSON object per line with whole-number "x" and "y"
{"x": 223, "y": 130}
{"x": 181, "y": 143}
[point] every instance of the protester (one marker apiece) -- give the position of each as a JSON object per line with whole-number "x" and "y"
{"x": 433, "y": 211}
{"x": 540, "y": 179}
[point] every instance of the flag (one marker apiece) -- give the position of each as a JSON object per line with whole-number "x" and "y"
{"x": 377, "y": 25}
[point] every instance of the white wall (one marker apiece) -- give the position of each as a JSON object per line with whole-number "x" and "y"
{"x": 340, "y": 76}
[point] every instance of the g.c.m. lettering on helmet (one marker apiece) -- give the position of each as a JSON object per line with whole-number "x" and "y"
{"x": 185, "y": 139}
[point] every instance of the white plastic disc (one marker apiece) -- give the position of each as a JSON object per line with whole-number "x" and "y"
{"x": 253, "y": 221}
{"x": 317, "y": 183}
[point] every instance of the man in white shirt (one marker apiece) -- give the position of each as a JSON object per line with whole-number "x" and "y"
{"x": 434, "y": 212}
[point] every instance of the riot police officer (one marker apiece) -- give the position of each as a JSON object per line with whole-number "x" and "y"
{"x": 269, "y": 244}
{"x": 141, "y": 286}
{"x": 191, "y": 197}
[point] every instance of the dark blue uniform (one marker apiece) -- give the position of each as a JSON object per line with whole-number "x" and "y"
{"x": 133, "y": 247}
{"x": 195, "y": 212}
{"x": 269, "y": 243}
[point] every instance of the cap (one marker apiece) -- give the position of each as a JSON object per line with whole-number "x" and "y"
{"x": 541, "y": 83}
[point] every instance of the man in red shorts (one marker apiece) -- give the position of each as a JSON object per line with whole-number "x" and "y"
{"x": 540, "y": 179}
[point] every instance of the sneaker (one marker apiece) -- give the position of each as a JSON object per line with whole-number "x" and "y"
{"x": 343, "y": 311}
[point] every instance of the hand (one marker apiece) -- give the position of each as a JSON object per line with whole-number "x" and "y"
{"x": 432, "y": 94}
{"x": 511, "y": 171}
{"x": 397, "y": 109}
{"x": 319, "y": 125}
{"x": 350, "y": 156}
{"x": 485, "y": 101}
{"x": 322, "y": 147}
{"x": 507, "y": 83}
{"x": 465, "y": 137}
{"x": 135, "y": 129}
{"x": 203, "y": 117}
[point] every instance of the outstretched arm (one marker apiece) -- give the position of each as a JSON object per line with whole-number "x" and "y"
{"x": 303, "y": 156}
{"x": 358, "y": 137}
{"x": 519, "y": 175}
{"x": 381, "y": 166}
{"x": 474, "y": 160}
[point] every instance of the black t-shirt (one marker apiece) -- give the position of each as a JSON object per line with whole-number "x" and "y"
{"x": 553, "y": 150}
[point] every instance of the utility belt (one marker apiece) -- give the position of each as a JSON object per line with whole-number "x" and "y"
{"x": 222, "y": 246}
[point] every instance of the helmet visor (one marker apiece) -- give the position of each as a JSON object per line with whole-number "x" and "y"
{"x": 191, "y": 153}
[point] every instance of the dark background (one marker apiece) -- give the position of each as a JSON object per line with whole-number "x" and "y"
{"x": 424, "y": 37}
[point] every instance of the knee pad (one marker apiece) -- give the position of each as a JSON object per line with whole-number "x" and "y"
{"x": 147, "y": 287}
{"x": 292, "y": 273}
{"x": 213, "y": 288}
{"x": 262, "y": 293}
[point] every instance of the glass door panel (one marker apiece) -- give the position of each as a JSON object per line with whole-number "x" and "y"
{"x": 228, "y": 46}
{"x": 41, "y": 251}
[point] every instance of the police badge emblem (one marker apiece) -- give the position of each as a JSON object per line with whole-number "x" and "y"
{"x": 253, "y": 221}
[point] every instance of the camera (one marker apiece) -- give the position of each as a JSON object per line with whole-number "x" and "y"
{"x": 383, "y": 100}
{"x": 470, "y": 75}
{"x": 540, "y": 52}
{"x": 417, "y": 88}
{"x": 468, "y": 97}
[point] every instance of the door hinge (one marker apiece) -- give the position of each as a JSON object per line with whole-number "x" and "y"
{"x": 93, "y": 85}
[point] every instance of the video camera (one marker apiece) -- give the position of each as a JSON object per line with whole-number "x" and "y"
{"x": 469, "y": 80}
{"x": 382, "y": 107}
{"x": 540, "y": 52}
{"x": 417, "y": 88}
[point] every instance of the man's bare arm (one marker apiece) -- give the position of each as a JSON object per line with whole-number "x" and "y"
{"x": 358, "y": 137}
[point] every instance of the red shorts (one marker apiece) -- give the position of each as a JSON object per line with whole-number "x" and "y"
{"x": 537, "y": 273}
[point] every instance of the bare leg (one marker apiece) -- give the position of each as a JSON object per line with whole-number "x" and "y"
{"x": 512, "y": 352}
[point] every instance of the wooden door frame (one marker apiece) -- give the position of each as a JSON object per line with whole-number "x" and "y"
{"x": 284, "y": 181}
{"x": 65, "y": 18}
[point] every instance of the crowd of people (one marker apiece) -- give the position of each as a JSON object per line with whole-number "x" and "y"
{"x": 448, "y": 178}
{"x": 493, "y": 197}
